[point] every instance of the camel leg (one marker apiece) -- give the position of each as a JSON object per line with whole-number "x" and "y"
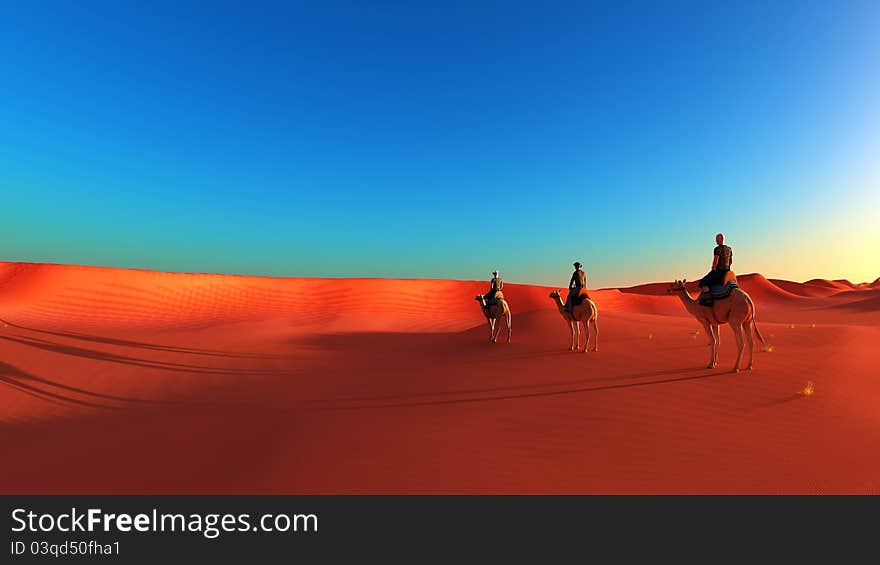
{"x": 717, "y": 346}
{"x": 508, "y": 325}
{"x": 595, "y": 324}
{"x": 491, "y": 329}
{"x": 737, "y": 328}
{"x": 572, "y": 326}
{"x": 587, "y": 335}
{"x": 710, "y": 331}
{"x": 750, "y": 338}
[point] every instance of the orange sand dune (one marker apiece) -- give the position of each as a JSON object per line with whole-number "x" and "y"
{"x": 859, "y": 300}
{"x": 837, "y": 285}
{"x": 144, "y": 382}
{"x": 807, "y": 289}
{"x": 760, "y": 288}
{"x": 105, "y": 297}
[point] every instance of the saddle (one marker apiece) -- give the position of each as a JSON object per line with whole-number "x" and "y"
{"x": 717, "y": 293}
{"x": 579, "y": 298}
{"x": 495, "y": 299}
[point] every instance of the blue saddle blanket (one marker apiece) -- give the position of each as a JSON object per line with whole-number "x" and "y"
{"x": 719, "y": 292}
{"x": 723, "y": 291}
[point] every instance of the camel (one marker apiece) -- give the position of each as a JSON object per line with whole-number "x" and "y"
{"x": 587, "y": 314}
{"x": 493, "y": 313}
{"x": 737, "y": 310}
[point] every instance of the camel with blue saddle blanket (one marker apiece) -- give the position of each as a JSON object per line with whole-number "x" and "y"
{"x": 731, "y": 305}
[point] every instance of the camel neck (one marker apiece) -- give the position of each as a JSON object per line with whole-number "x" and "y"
{"x": 687, "y": 299}
{"x": 559, "y": 303}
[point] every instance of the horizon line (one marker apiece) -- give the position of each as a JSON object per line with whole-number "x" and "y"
{"x": 356, "y": 277}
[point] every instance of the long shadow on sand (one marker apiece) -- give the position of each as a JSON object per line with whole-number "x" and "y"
{"x": 577, "y": 390}
{"x": 136, "y": 361}
{"x": 139, "y": 344}
{"x": 540, "y": 385}
{"x": 780, "y": 401}
{"x": 14, "y": 377}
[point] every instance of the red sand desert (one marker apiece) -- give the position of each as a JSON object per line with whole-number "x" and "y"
{"x": 126, "y": 381}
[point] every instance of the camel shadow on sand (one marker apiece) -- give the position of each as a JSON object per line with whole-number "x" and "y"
{"x": 138, "y": 344}
{"x": 54, "y": 391}
{"x": 96, "y": 355}
{"x": 487, "y": 396}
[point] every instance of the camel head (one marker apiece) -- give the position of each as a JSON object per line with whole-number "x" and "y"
{"x": 478, "y": 297}
{"x": 555, "y": 294}
{"x": 677, "y": 286}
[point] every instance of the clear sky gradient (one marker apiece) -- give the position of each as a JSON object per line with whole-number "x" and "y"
{"x": 443, "y": 139}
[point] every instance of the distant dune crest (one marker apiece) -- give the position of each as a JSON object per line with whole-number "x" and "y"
{"x": 99, "y": 296}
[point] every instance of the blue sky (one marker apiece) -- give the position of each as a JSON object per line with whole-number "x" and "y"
{"x": 392, "y": 139}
